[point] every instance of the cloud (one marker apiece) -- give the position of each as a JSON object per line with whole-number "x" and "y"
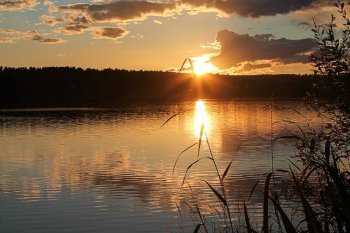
{"x": 103, "y": 1}
{"x": 17, "y": 5}
{"x": 8, "y": 35}
{"x": 74, "y": 29}
{"x": 35, "y": 36}
{"x": 254, "y": 8}
{"x": 109, "y": 33}
{"x": 304, "y": 24}
{"x": 236, "y": 49}
{"x": 78, "y": 20}
{"x": 44, "y": 40}
{"x": 48, "y": 2}
{"x": 119, "y": 10}
{"x": 126, "y": 10}
{"x": 251, "y": 66}
{"x": 10, "y": 32}
{"x": 6, "y": 40}
{"x": 157, "y": 21}
{"x": 50, "y": 20}
{"x": 13, "y": 35}
{"x": 80, "y": 17}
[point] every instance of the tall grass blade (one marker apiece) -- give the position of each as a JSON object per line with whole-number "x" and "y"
{"x": 200, "y": 139}
{"x": 341, "y": 194}
{"x": 178, "y": 157}
{"x": 225, "y": 229}
{"x": 307, "y": 176}
{"x": 276, "y": 107}
{"x": 303, "y": 173}
{"x": 169, "y": 119}
{"x": 313, "y": 224}
{"x": 287, "y": 137}
{"x": 183, "y": 64}
{"x": 282, "y": 170}
{"x": 301, "y": 131}
{"x": 189, "y": 167}
{"x": 296, "y": 166}
{"x": 288, "y": 225}
{"x": 226, "y": 170}
{"x": 197, "y": 227}
{"x": 247, "y": 221}
{"x": 223, "y": 200}
{"x": 266, "y": 204}
{"x": 253, "y": 189}
{"x": 189, "y": 206}
{"x": 202, "y": 221}
{"x": 327, "y": 150}
{"x": 312, "y": 145}
{"x": 178, "y": 209}
{"x": 192, "y": 67}
{"x": 228, "y": 167}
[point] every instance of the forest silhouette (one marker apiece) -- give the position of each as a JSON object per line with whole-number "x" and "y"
{"x": 77, "y": 87}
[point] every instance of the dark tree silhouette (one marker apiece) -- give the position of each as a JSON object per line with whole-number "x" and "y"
{"x": 76, "y": 87}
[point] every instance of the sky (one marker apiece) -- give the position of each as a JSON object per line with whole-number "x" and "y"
{"x": 224, "y": 36}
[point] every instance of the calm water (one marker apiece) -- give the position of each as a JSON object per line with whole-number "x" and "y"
{"x": 103, "y": 170}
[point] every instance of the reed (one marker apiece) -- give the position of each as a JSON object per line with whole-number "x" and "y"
{"x": 329, "y": 213}
{"x": 319, "y": 180}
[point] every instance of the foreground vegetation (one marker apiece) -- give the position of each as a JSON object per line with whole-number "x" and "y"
{"x": 317, "y": 184}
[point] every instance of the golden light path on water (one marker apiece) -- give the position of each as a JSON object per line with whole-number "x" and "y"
{"x": 201, "y": 117}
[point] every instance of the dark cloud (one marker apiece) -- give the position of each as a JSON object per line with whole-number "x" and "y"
{"x": 6, "y": 40}
{"x": 13, "y": 35}
{"x": 75, "y": 28}
{"x": 35, "y": 36}
{"x": 50, "y": 20}
{"x": 120, "y": 10}
{"x": 49, "y": 40}
{"x": 254, "y": 8}
{"x": 9, "y": 35}
{"x": 139, "y": 9}
{"x": 250, "y": 66}
{"x": 79, "y": 20}
{"x": 17, "y": 5}
{"x": 304, "y": 24}
{"x": 109, "y": 33}
{"x": 236, "y": 49}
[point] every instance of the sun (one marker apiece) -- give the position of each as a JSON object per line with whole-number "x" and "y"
{"x": 202, "y": 65}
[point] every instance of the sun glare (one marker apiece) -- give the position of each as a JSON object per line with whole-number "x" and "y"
{"x": 201, "y": 119}
{"x": 202, "y": 65}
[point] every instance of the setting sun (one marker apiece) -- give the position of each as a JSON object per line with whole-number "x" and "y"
{"x": 202, "y": 65}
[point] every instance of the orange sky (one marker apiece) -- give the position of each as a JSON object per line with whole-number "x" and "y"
{"x": 239, "y": 37}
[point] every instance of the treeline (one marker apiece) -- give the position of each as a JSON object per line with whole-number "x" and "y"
{"x": 76, "y": 87}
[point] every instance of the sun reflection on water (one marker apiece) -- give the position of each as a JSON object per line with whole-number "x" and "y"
{"x": 201, "y": 118}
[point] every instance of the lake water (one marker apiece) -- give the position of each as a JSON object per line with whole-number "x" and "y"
{"x": 110, "y": 170}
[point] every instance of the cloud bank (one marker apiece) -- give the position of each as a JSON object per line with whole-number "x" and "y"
{"x": 12, "y": 35}
{"x": 17, "y": 5}
{"x": 131, "y": 10}
{"x": 109, "y": 33}
{"x": 254, "y": 8}
{"x": 119, "y": 10}
{"x": 81, "y": 17}
{"x": 237, "y": 49}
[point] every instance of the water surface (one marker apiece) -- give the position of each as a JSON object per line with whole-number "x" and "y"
{"x": 110, "y": 170}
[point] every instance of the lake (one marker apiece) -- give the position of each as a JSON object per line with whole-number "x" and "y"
{"x": 111, "y": 170}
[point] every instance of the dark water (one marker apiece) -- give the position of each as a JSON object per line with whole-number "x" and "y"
{"x": 110, "y": 170}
